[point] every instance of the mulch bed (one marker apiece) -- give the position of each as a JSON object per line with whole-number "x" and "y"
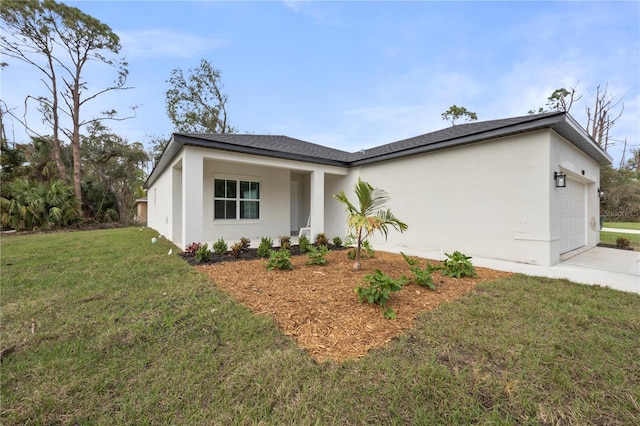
{"x": 614, "y": 246}
{"x": 318, "y": 307}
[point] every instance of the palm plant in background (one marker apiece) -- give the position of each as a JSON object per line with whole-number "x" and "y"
{"x": 33, "y": 205}
{"x": 369, "y": 215}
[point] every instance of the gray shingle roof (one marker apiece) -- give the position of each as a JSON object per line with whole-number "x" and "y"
{"x": 461, "y": 133}
{"x": 270, "y": 145}
{"x": 286, "y": 147}
{"x": 295, "y": 149}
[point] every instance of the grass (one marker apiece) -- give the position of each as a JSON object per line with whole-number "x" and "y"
{"x": 623, "y": 225}
{"x": 125, "y": 334}
{"x": 611, "y": 237}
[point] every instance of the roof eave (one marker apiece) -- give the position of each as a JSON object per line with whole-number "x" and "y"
{"x": 562, "y": 123}
{"x": 223, "y": 146}
{"x": 167, "y": 156}
{"x": 178, "y": 140}
{"x": 545, "y": 122}
{"x": 578, "y": 136}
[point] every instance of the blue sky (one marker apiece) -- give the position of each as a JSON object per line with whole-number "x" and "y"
{"x": 354, "y": 75}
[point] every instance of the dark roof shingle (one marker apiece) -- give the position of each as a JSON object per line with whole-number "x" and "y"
{"x": 295, "y": 149}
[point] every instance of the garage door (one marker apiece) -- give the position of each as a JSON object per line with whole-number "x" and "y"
{"x": 572, "y": 216}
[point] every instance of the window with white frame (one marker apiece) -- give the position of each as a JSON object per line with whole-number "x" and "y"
{"x": 236, "y": 199}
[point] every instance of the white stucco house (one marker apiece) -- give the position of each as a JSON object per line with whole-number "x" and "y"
{"x": 488, "y": 189}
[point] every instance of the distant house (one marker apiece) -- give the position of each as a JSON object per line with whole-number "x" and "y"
{"x": 492, "y": 189}
{"x": 141, "y": 210}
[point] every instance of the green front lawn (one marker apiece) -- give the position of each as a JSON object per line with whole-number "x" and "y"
{"x": 611, "y": 238}
{"x": 623, "y": 225}
{"x": 103, "y": 327}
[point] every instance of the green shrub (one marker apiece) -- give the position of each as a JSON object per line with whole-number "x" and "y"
{"x": 337, "y": 241}
{"x": 279, "y": 259}
{"x": 203, "y": 254}
{"x": 380, "y": 288}
{"x": 321, "y": 240}
{"x": 220, "y": 246}
{"x": 457, "y": 266}
{"x": 303, "y": 244}
{"x": 236, "y": 249}
{"x": 266, "y": 244}
{"x": 317, "y": 255}
{"x": 422, "y": 277}
{"x": 285, "y": 242}
{"x": 390, "y": 314}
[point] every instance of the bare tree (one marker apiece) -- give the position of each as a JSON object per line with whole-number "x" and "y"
{"x": 40, "y": 28}
{"x": 26, "y": 36}
{"x": 602, "y": 116}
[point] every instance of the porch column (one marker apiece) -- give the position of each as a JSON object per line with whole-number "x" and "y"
{"x": 317, "y": 203}
{"x": 192, "y": 195}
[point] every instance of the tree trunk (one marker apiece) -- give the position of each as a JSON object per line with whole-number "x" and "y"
{"x": 356, "y": 263}
{"x": 75, "y": 138}
{"x": 57, "y": 158}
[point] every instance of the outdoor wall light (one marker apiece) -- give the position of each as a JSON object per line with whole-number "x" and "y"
{"x": 561, "y": 179}
{"x": 601, "y": 192}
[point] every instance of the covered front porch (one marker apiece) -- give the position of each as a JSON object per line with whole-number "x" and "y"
{"x": 263, "y": 198}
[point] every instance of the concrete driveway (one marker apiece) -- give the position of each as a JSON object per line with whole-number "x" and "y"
{"x": 608, "y": 267}
{"x": 615, "y": 268}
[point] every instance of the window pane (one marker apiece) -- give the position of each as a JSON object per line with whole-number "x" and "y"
{"x": 224, "y": 209}
{"x": 244, "y": 189}
{"x": 231, "y": 189}
{"x": 250, "y": 190}
{"x": 230, "y": 209}
{"x": 249, "y": 210}
{"x": 219, "y": 185}
{"x": 218, "y": 209}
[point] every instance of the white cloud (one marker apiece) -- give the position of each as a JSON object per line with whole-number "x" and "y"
{"x": 320, "y": 14}
{"x": 166, "y": 43}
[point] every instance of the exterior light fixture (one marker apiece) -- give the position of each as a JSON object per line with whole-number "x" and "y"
{"x": 601, "y": 192}
{"x": 561, "y": 179}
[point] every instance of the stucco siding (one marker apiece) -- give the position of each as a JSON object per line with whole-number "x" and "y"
{"x": 488, "y": 199}
{"x": 274, "y": 202}
{"x": 335, "y": 218}
{"x": 579, "y": 168}
{"x": 495, "y": 199}
{"x": 162, "y": 198}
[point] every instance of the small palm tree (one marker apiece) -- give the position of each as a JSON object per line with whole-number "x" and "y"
{"x": 369, "y": 216}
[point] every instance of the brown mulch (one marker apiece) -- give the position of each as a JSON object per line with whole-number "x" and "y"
{"x": 318, "y": 307}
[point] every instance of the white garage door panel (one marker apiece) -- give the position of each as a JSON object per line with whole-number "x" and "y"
{"x": 572, "y": 216}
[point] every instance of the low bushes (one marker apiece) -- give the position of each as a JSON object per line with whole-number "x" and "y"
{"x": 457, "y": 265}
{"x": 379, "y": 285}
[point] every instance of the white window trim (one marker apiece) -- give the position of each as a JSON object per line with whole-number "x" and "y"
{"x": 238, "y": 179}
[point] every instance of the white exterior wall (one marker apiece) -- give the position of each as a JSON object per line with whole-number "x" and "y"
{"x": 335, "y": 217}
{"x": 494, "y": 199}
{"x": 163, "y": 195}
{"x": 489, "y": 199}
{"x": 274, "y": 202}
{"x": 185, "y": 190}
{"x": 578, "y": 166}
